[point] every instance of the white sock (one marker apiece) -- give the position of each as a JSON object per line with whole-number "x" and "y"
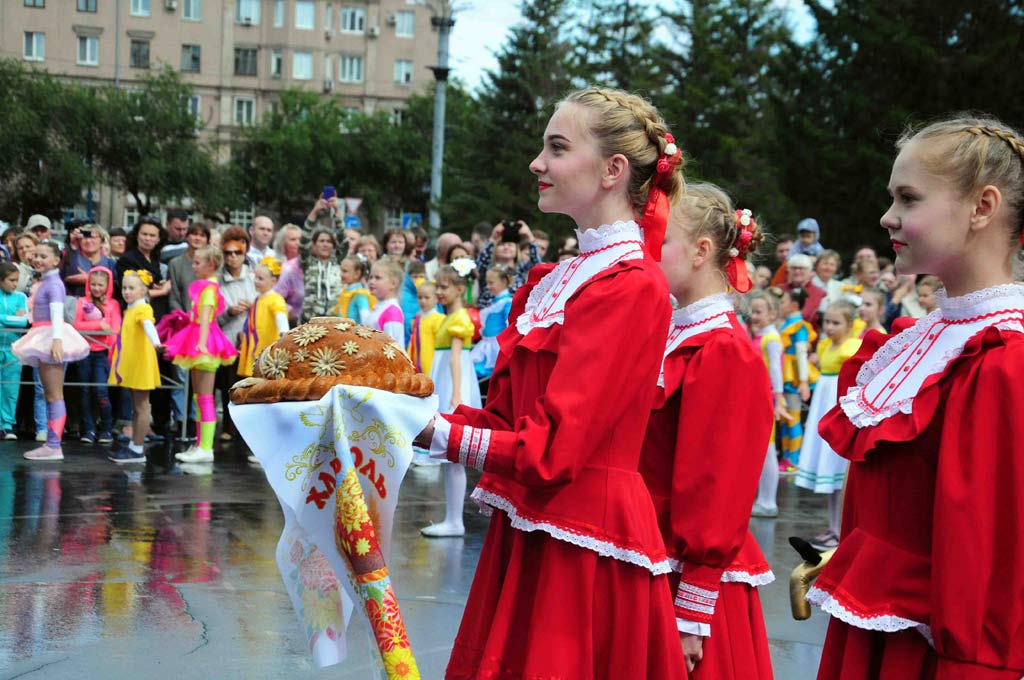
{"x": 454, "y": 492}
{"x": 835, "y": 511}
{"x": 768, "y": 485}
{"x": 135, "y": 448}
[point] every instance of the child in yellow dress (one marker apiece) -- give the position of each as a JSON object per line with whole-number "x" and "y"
{"x": 424, "y": 328}
{"x": 133, "y": 360}
{"x": 454, "y": 383}
{"x": 822, "y": 470}
{"x": 268, "y": 316}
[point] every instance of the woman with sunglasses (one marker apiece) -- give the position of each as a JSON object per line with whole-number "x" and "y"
{"x": 238, "y": 286}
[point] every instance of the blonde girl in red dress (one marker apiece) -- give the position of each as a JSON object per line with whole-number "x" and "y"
{"x": 572, "y": 580}
{"x": 927, "y": 580}
{"x": 705, "y": 443}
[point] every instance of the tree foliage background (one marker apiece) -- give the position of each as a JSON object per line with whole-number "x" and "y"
{"x": 791, "y": 128}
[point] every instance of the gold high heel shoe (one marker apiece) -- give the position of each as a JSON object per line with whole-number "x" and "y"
{"x": 800, "y": 582}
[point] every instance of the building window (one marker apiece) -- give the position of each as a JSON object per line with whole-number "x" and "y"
{"x": 350, "y": 69}
{"x": 278, "y": 13}
{"x": 191, "y": 58}
{"x": 328, "y": 16}
{"x": 86, "y": 5}
{"x": 245, "y": 110}
{"x": 140, "y": 8}
{"x": 247, "y": 12}
{"x": 327, "y": 67}
{"x": 194, "y": 106}
{"x": 192, "y": 9}
{"x": 276, "y": 63}
{"x": 35, "y": 3}
{"x": 305, "y": 14}
{"x": 243, "y": 217}
{"x": 353, "y": 19}
{"x": 302, "y": 66}
{"x": 131, "y": 216}
{"x": 88, "y": 50}
{"x": 35, "y": 46}
{"x": 140, "y": 54}
{"x": 403, "y": 71}
{"x": 405, "y": 24}
{"x": 245, "y": 61}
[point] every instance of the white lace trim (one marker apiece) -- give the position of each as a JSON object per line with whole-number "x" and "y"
{"x": 756, "y": 580}
{"x": 885, "y": 623}
{"x": 601, "y": 547}
{"x": 473, "y": 447}
{"x": 606, "y": 246}
{"x": 981, "y": 301}
{"x": 733, "y": 575}
{"x": 607, "y": 234}
{"x": 696, "y": 599}
{"x": 895, "y": 377}
{"x": 699, "y": 317}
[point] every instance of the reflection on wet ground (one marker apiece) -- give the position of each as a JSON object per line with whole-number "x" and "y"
{"x": 139, "y": 571}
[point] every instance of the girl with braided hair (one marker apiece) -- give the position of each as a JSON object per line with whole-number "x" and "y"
{"x": 571, "y": 581}
{"x": 702, "y": 478}
{"x": 927, "y": 579}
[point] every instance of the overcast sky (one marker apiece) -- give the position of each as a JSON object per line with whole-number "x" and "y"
{"x": 482, "y": 25}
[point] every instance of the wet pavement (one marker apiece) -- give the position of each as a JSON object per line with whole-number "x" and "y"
{"x": 151, "y": 571}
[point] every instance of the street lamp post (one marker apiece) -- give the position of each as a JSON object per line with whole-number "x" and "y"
{"x": 442, "y": 22}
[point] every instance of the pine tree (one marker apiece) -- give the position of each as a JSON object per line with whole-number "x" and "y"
{"x": 612, "y": 45}
{"x": 492, "y": 180}
{"x": 718, "y": 100}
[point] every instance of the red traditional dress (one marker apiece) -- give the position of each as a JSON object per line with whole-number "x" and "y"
{"x": 571, "y": 581}
{"x": 701, "y": 459}
{"x": 928, "y": 579}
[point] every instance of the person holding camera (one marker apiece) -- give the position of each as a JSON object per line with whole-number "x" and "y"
{"x": 503, "y": 248}
{"x": 85, "y": 253}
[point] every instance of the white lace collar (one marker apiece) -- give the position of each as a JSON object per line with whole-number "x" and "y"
{"x": 600, "y": 249}
{"x": 890, "y": 380}
{"x": 713, "y": 311}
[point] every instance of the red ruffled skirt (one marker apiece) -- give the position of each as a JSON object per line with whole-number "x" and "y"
{"x": 541, "y": 608}
{"x": 853, "y": 653}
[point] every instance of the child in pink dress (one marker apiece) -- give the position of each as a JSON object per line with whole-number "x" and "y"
{"x": 202, "y": 348}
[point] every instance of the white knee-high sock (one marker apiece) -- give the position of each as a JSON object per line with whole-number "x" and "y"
{"x": 768, "y": 485}
{"x": 835, "y": 510}
{"x": 454, "y": 492}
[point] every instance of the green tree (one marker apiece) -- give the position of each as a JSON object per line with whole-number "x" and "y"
{"x": 720, "y": 95}
{"x": 491, "y": 180}
{"x": 42, "y": 139}
{"x": 146, "y": 142}
{"x": 873, "y": 68}
{"x": 612, "y": 45}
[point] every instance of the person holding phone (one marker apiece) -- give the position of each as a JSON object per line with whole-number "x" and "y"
{"x": 86, "y": 253}
{"x": 313, "y": 280}
{"x": 503, "y": 248}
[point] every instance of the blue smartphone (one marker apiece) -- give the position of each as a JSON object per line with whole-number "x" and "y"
{"x": 328, "y": 192}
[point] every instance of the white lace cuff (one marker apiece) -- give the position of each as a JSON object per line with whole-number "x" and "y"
{"x": 439, "y": 442}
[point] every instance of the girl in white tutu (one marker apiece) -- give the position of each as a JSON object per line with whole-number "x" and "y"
{"x": 822, "y": 470}
{"x": 49, "y": 345}
{"x": 454, "y": 382}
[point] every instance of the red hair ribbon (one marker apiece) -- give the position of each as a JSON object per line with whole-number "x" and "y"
{"x": 736, "y": 267}
{"x": 655, "y": 218}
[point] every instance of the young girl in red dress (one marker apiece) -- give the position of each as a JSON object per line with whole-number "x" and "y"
{"x": 572, "y": 580}
{"x": 927, "y": 580}
{"x": 702, "y": 467}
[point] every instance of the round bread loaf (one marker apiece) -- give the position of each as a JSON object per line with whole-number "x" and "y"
{"x": 307, "y": 361}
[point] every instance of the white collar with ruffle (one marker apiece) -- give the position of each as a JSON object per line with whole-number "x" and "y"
{"x": 890, "y": 380}
{"x": 697, "y": 317}
{"x": 600, "y": 249}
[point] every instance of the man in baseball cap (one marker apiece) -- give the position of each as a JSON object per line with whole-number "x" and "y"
{"x": 40, "y": 226}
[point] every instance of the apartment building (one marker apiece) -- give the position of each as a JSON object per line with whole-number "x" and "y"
{"x": 238, "y": 54}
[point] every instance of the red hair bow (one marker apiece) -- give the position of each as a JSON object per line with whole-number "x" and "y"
{"x": 736, "y": 267}
{"x": 656, "y": 212}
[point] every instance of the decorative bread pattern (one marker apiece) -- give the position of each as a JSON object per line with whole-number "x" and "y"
{"x": 306, "y": 362}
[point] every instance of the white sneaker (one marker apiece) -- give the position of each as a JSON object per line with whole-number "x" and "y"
{"x": 10, "y": 436}
{"x": 40, "y": 435}
{"x": 45, "y": 453}
{"x": 444, "y": 530}
{"x": 195, "y": 455}
{"x": 201, "y": 469}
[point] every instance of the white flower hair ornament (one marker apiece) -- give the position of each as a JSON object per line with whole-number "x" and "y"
{"x": 464, "y": 266}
